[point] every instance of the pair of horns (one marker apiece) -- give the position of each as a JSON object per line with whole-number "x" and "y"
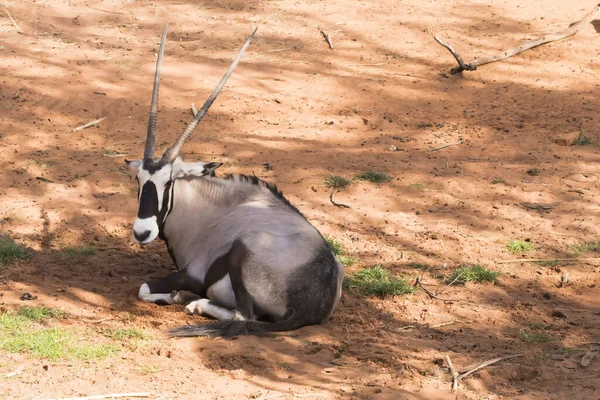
{"x": 173, "y": 151}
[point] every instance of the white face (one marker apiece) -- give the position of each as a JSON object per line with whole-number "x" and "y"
{"x": 156, "y": 193}
{"x": 151, "y": 195}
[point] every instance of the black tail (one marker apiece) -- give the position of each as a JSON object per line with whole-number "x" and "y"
{"x": 236, "y": 328}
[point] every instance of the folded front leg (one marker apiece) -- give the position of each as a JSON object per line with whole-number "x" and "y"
{"x": 177, "y": 288}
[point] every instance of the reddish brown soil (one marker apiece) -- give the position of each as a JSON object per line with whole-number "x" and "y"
{"x": 309, "y": 112}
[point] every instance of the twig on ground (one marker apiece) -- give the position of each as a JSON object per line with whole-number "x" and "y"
{"x": 106, "y": 11}
{"x": 194, "y": 111}
{"x": 11, "y": 18}
{"x": 41, "y": 178}
{"x": 108, "y": 396}
{"x": 446, "y": 145}
{"x": 337, "y": 204}
{"x": 539, "y": 207}
{"x": 454, "y": 373}
{"x": 95, "y": 321}
{"x": 590, "y": 354}
{"x": 487, "y": 364}
{"x": 576, "y": 310}
{"x": 461, "y": 64}
{"x": 563, "y": 280}
{"x": 89, "y": 124}
{"x": 443, "y": 324}
{"x": 546, "y": 260}
{"x": 16, "y": 372}
{"x": 117, "y": 155}
{"x": 419, "y": 283}
{"x": 547, "y": 38}
{"x": 328, "y": 37}
{"x": 585, "y": 174}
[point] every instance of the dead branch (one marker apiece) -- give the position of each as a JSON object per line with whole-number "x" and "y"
{"x": 337, "y": 204}
{"x": 548, "y": 260}
{"x": 454, "y": 373}
{"x": 16, "y": 372}
{"x": 590, "y": 354}
{"x": 89, "y": 124}
{"x": 11, "y": 18}
{"x": 546, "y": 38}
{"x": 328, "y": 37}
{"x": 446, "y": 145}
{"x": 540, "y": 207}
{"x": 563, "y": 280}
{"x": 487, "y": 364}
{"x": 108, "y": 396}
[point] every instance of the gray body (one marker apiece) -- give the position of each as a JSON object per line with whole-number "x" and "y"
{"x": 244, "y": 254}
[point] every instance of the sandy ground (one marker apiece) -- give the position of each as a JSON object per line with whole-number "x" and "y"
{"x": 381, "y": 100}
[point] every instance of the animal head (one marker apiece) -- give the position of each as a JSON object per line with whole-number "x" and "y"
{"x": 155, "y": 176}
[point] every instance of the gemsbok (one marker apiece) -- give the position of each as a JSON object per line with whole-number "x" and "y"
{"x": 252, "y": 260}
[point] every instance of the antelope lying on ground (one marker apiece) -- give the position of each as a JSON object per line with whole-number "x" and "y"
{"x": 238, "y": 244}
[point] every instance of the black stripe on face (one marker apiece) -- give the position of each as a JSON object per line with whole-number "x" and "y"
{"x": 162, "y": 215}
{"x": 148, "y": 201}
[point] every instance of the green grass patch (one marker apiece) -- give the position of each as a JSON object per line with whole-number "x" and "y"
{"x": 376, "y": 281}
{"x": 417, "y": 186}
{"x": 472, "y": 273}
{"x": 336, "y": 182}
{"x": 374, "y": 176}
{"x": 516, "y": 246}
{"x": 126, "y": 334}
{"x": 338, "y": 250}
{"x": 537, "y": 334}
{"x": 498, "y": 180}
{"x": 591, "y": 246}
{"x": 83, "y": 250}
{"x": 10, "y": 251}
{"x": 582, "y": 140}
{"x": 40, "y": 313}
{"x": 23, "y": 332}
{"x": 420, "y": 267}
{"x": 549, "y": 263}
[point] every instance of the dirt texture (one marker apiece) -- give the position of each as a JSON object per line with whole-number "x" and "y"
{"x": 381, "y": 100}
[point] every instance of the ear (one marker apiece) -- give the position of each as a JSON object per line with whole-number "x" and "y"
{"x": 134, "y": 165}
{"x": 181, "y": 169}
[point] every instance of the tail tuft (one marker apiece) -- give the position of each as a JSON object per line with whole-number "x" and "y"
{"x": 222, "y": 328}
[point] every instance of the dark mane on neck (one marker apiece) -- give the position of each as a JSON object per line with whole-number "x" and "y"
{"x": 254, "y": 180}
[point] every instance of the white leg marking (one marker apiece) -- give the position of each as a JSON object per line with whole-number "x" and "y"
{"x": 205, "y": 306}
{"x": 221, "y": 292}
{"x": 237, "y": 316}
{"x": 145, "y": 295}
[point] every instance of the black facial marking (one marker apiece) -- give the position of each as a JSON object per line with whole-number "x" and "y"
{"x": 148, "y": 201}
{"x": 162, "y": 215}
{"x": 152, "y": 165}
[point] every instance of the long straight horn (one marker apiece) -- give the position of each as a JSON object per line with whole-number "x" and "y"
{"x": 150, "y": 139}
{"x": 173, "y": 151}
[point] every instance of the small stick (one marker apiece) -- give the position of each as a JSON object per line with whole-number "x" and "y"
{"x": 11, "y": 18}
{"x": 14, "y": 373}
{"x": 194, "y": 111}
{"x": 442, "y": 324}
{"x": 454, "y": 373}
{"x": 337, "y": 204}
{"x": 94, "y": 122}
{"x": 446, "y": 145}
{"x": 563, "y": 280}
{"x": 546, "y": 260}
{"x": 327, "y": 38}
{"x": 107, "y": 396}
{"x": 487, "y": 364}
{"x": 546, "y": 38}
